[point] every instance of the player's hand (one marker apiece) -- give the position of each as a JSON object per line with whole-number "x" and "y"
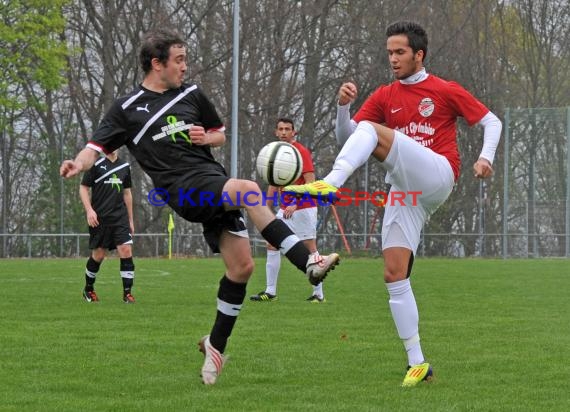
{"x": 132, "y": 227}
{"x": 289, "y": 210}
{"x": 69, "y": 168}
{"x": 347, "y": 93}
{"x": 482, "y": 168}
{"x": 198, "y": 135}
{"x": 92, "y": 219}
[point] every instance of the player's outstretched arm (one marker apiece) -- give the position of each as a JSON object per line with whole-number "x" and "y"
{"x": 83, "y": 161}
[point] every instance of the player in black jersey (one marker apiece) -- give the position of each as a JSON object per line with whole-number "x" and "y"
{"x": 169, "y": 127}
{"x": 109, "y": 212}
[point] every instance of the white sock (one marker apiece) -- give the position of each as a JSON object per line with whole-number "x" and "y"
{"x": 353, "y": 154}
{"x": 272, "y": 267}
{"x": 318, "y": 291}
{"x": 405, "y": 314}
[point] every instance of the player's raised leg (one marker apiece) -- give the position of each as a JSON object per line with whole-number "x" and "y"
{"x": 368, "y": 138}
{"x": 278, "y": 234}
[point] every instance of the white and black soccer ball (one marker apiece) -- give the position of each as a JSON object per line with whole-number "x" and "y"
{"x": 279, "y": 163}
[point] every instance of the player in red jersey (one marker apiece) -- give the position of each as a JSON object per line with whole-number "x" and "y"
{"x": 410, "y": 126}
{"x": 299, "y": 214}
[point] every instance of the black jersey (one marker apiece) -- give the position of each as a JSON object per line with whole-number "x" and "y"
{"x": 154, "y": 126}
{"x": 107, "y": 181}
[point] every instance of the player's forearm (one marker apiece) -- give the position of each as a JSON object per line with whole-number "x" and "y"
{"x": 85, "y": 198}
{"x": 216, "y": 138}
{"x": 344, "y": 126}
{"x": 491, "y": 136}
{"x": 128, "y": 197}
{"x": 86, "y": 158}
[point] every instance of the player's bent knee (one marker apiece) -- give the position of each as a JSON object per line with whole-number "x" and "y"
{"x": 125, "y": 251}
{"x": 247, "y": 186}
{"x": 394, "y": 276}
{"x": 98, "y": 255}
{"x": 241, "y": 271}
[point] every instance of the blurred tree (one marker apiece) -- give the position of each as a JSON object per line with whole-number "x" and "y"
{"x": 32, "y": 57}
{"x": 293, "y": 57}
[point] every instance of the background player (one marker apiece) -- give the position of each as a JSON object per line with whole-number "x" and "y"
{"x": 109, "y": 212}
{"x": 300, "y": 216}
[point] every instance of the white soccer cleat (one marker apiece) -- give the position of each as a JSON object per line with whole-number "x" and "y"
{"x": 318, "y": 266}
{"x": 213, "y": 361}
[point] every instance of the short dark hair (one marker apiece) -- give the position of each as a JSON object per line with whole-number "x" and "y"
{"x": 285, "y": 120}
{"x": 417, "y": 36}
{"x": 156, "y": 44}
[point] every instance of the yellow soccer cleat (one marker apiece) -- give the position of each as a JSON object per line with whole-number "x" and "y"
{"x": 417, "y": 374}
{"x": 263, "y": 297}
{"x": 318, "y": 189}
{"x": 316, "y": 299}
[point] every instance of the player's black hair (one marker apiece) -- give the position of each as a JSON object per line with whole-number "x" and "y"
{"x": 285, "y": 120}
{"x": 417, "y": 36}
{"x": 156, "y": 44}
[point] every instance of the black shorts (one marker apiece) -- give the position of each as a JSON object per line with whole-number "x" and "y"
{"x": 231, "y": 221}
{"x": 201, "y": 199}
{"x": 108, "y": 237}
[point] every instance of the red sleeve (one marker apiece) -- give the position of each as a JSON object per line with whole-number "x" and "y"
{"x": 466, "y": 105}
{"x": 373, "y": 107}
{"x": 307, "y": 158}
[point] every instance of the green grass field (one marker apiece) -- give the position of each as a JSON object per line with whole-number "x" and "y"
{"x": 497, "y": 333}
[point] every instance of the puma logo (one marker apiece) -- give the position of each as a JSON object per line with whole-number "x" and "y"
{"x": 103, "y": 167}
{"x": 145, "y": 108}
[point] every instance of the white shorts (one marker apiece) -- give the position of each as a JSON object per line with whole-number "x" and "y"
{"x": 303, "y": 222}
{"x": 421, "y": 181}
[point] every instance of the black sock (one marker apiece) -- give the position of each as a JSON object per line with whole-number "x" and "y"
{"x": 127, "y": 285}
{"x": 276, "y": 232}
{"x": 230, "y": 299}
{"x": 127, "y": 268}
{"x": 91, "y": 269}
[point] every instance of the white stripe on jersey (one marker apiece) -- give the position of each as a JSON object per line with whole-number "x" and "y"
{"x": 111, "y": 171}
{"x": 154, "y": 118}
{"x": 101, "y": 159}
{"x": 131, "y": 100}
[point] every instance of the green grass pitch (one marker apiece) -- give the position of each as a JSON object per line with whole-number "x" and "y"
{"x": 496, "y": 331}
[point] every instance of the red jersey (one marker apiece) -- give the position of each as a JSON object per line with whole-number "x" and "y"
{"x": 308, "y": 167}
{"x": 426, "y": 111}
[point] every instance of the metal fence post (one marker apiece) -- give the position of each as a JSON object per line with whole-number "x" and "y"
{"x": 506, "y": 185}
{"x": 568, "y": 181}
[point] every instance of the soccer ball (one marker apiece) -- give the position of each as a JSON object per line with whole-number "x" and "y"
{"x": 279, "y": 163}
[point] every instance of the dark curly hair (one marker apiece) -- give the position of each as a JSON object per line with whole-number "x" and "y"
{"x": 417, "y": 36}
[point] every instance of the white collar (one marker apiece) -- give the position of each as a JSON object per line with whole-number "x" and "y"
{"x": 416, "y": 77}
